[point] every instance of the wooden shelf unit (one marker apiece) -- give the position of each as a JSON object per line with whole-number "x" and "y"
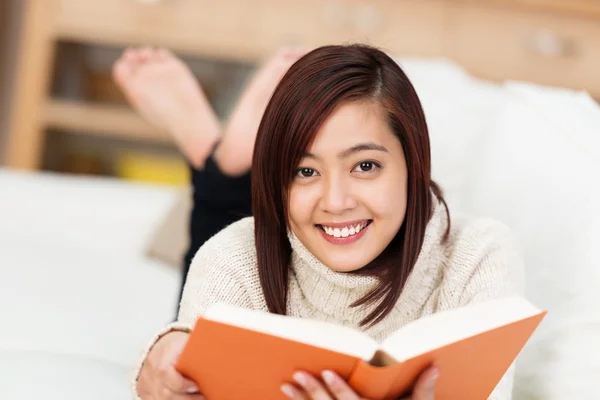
{"x": 550, "y": 42}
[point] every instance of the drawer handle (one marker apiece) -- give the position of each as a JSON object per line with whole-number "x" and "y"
{"x": 548, "y": 44}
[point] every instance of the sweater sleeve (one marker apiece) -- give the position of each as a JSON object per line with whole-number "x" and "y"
{"x": 498, "y": 273}
{"x": 213, "y": 277}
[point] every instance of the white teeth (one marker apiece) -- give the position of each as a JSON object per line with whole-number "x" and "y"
{"x": 344, "y": 232}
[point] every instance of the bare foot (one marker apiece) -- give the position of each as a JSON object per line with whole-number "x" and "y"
{"x": 234, "y": 154}
{"x": 166, "y": 93}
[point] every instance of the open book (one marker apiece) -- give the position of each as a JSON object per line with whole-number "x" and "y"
{"x": 236, "y": 353}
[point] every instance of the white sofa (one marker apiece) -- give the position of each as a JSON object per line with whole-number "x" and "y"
{"x": 78, "y": 297}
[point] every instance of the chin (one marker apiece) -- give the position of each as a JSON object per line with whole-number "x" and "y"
{"x": 343, "y": 266}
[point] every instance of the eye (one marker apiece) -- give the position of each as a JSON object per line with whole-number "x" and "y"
{"x": 305, "y": 172}
{"x": 367, "y": 166}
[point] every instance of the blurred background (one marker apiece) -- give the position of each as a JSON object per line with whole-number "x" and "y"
{"x": 94, "y": 201}
{"x": 62, "y": 112}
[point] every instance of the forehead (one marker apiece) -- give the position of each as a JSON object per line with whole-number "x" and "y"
{"x": 353, "y": 123}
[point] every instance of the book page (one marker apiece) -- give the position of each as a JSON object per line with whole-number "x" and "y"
{"x": 316, "y": 333}
{"x": 437, "y": 330}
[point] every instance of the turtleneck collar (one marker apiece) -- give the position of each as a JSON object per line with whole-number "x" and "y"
{"x": 331, "y": 293}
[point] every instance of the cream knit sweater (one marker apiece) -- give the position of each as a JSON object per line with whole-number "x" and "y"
{"x": 477, "y": 263}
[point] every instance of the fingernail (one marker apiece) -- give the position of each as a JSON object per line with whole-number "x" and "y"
{"x": 288, "y": 391}
{"x": 192, "y": 389}
{"x": 328, "y": 377}
{"x": 433, "y": 378}
{"x": 300, "y": 378}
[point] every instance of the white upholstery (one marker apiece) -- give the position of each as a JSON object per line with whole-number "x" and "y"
{"x": 539, "y": 171}
{"x": 77, "y": 294}
{"x": 39, "y": 375}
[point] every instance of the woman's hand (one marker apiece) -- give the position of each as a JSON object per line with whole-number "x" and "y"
{"x": 336, "y": 388}
{"x": 159, "y": 380}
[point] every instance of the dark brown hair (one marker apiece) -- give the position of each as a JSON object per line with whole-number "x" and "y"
{"x": 308, "y": 93}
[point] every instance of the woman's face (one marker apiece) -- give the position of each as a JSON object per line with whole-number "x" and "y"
{"x": 348, "y": 197}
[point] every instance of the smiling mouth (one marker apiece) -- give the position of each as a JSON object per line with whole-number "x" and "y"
{"x": 346, "y": 231}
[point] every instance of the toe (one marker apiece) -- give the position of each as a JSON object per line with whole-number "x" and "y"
{"x": 147, "y": 53}
{"x": 122, "y": 72}
{"x": 130, "y": 53}
{"x": 164, "y": 54}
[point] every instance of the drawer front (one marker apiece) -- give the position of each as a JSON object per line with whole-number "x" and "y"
{"x": 250, "y": 29}
{"x": 398, "y": 26}
{"x": 193, "y": 26}
{"x": 497, "y": 43}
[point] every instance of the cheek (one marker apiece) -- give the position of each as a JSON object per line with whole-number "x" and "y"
{"x": 302, "y": 202}
{"x": 389, "y": 201}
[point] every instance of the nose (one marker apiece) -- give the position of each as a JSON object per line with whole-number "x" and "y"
{"x": 337, "y": 196}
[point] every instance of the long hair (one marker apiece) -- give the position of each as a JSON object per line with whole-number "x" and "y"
{"x": 307, "y": 95}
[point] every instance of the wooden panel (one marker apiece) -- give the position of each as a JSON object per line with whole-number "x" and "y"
{"x": 409, "y": 27}
{"x": 34, "y": 68}
{"x": 101, "y": 120}
{"x": 250, "y": 30}
{"x": 4, "y": 71}
{"x": 210, "y": 28}
{"x": 498, "y": 43}
{"x": 579, "y": 8}
{"x": 398, "y": 26}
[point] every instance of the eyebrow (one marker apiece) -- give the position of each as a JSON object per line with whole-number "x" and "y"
{"x": 354, "y": 149}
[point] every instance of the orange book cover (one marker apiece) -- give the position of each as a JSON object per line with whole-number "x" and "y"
{"x": 230, "y": 358}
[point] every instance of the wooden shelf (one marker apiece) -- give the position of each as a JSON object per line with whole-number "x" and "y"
{"x": 549, "y": 42}
{"x": 100, "y": 120}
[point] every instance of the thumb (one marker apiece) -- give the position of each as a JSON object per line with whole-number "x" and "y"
{"x": 177, "y": 383}
{"x": 425, "y": 386}
{"x": 189, "y": 386}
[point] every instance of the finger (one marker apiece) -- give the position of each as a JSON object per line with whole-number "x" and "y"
{"x": 292, "y": 392}
{"x": 425, "y": 386}
{"x": 338, "y": 386}
{"x": 175, "y": 383}
{"x": 314, "y": 389}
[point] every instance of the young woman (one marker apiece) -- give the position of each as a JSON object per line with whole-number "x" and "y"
{"x": 348, "y": 226}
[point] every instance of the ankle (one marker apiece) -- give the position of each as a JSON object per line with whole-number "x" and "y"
{"x": 198, "y": 151}
{"x": 198, "y": 141}
{"x": 229, "y": 162}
